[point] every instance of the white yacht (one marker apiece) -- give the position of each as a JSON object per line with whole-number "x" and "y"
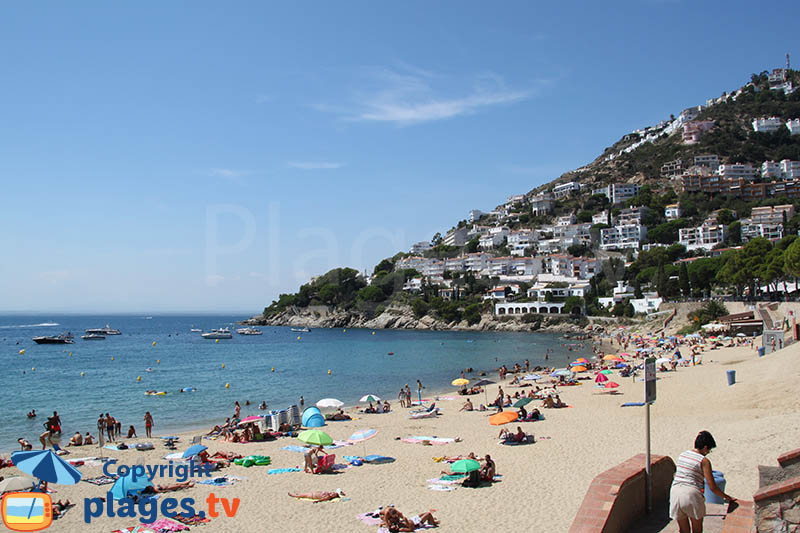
{"x": 222, "y": 333}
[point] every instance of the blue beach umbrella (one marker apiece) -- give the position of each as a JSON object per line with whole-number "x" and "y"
{"x": 47, "y": 466}
{"x": 191, "y": 451}
{"x": 127, "y": 486}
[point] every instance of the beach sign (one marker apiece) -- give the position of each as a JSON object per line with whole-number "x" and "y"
{"x": 650, "y": 380}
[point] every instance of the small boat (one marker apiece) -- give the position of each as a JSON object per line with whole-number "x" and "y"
{"x": 93, "y": 337}
{"x": 108, "y": 330}
{"x": 223, "y": 333}
{"x": 64, "y": 338}
{"x": 249, "y": 331}
{"x": 301, "y": 330}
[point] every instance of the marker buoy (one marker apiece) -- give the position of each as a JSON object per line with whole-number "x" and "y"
{"x": 138, "y": 378}
{"x": 227, "y": 385}
{"x": 329, "y": 372}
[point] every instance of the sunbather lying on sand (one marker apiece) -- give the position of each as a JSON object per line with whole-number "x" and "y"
{"x": 320, "y": 496}
{"x": 394, "y": 521}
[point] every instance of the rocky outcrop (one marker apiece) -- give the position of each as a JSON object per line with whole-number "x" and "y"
{"x": 402, "y": 317}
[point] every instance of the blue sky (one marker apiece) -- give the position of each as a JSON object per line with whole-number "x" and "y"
{"x": 206, "y": 156}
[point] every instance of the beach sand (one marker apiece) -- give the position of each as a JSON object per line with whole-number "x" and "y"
{"x": 543, "y": 484}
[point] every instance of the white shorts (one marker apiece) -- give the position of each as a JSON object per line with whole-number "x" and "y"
{"x": 686, "y": 501}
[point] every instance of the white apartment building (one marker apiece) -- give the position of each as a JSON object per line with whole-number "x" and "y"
{"x": 565, "y": 189}
{"x": 706, "y": 160}
{"x": 706, "y": 236}
{"x": 672, "y": 211}
{"x": 737, "y": 171}
{"x": 631, "y": 215}
{"x": 767, "y": 124}
{"x": 750, "y": 230}
{"x": 794, "y": 126}
{"x": 420, "y": 247}
{"x": 622, "y": 237}
{"x": 600, "y": 218}
{"x": 475, "y": 215}
{"x": 566, "y": 220}
{"x": 618, "y": 192}
{"x": 542, "y": 204}
{"x": 456, "y": 237}
{"x": 770, "y": 170}
{"x": 790, "y": 170}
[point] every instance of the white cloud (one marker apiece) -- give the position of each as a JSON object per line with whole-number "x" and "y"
{"x": 314, "y": 165}
{"x": 406, "y": 95}
{"x": 226, "y": 173}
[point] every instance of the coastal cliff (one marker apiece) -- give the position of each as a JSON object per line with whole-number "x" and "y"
{"x": 402, "y": 317}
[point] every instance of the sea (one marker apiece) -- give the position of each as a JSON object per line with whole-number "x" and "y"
{"x": 160, "y": 353}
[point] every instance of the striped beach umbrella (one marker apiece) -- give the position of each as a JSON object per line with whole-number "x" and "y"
{"x": 47, "y": 466}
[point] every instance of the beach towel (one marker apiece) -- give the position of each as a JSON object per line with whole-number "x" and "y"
{"x": 282, "y": 470}
{"x": 102, "y": 480}
{"x": 194, "y": 520}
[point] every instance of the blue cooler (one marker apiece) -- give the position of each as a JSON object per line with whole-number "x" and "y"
{"x": 719, "y": 479}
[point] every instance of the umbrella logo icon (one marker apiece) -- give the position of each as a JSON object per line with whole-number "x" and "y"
{"x": 27, "y": 511}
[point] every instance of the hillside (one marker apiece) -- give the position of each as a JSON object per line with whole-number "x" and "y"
{"x": 434, "y": 287}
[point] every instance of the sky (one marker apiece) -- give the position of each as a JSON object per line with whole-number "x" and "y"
{"x": 207, "y": 156}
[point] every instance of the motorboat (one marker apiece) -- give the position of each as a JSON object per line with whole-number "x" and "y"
{"x": 301, "y": 330}
{"x": 64, "y": 338}
{"x": 249, "y": 331}
{"x": 93, "y": 337}
{"x": 223, "y": 333}
{"x": 108, "y": 330}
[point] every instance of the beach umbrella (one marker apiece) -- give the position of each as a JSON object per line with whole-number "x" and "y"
{"x": 503, "y": 418}
{"x": 329, "y": 403}
{"x": 606, "y": 372}
{"x": 465, "y": 466}
{"x": 191, "y": 451}
{"x": 611, "y": 385}
{"x": 362, "y": 435}
{"x": 600, "y": 378}
{"x": 17, "y": 484}
{"x": 522, "y": 402}
{"x": 315, "y": 437}
{"x": 459, "y": 382}
{"x": 579, "y": 369}
{"x": 369, "y": 398}
{"x": 531, "y": 377}
{"x": 47, "y": 466}
{"x": 129, "y": 485}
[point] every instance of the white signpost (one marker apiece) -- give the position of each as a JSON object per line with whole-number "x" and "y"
{"x": 649, "y": 397}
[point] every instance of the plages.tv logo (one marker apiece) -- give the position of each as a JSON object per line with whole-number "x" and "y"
{"x": 27, "y": 511}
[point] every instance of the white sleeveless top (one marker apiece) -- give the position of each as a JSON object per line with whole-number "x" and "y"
{"x": 688, "y": 470}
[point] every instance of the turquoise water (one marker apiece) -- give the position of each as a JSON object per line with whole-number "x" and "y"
{"x": 358, "y": 361}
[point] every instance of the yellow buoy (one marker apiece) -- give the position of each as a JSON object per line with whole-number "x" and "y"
{"x": 329, "y": 372}
{"x": 138, "y": 378}
{"x": 154, "y": 343}
{"x": 21, "y": 352}
{"x": 216, "y": 340}
{"x": 273, "y": 369}
{"x": 227, "y": 385}
{"x": 83, "y": 374}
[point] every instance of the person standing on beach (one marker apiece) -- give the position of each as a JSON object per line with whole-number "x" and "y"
{"x": 148, "y": 424}
{"x": 686, "y": 501}
{"x": 101, "y": 427}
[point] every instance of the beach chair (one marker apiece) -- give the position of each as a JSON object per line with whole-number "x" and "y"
{"x": 325, "y": 464}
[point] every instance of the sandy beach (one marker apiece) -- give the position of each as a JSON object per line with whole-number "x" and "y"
{"x": 542, "y": 485}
